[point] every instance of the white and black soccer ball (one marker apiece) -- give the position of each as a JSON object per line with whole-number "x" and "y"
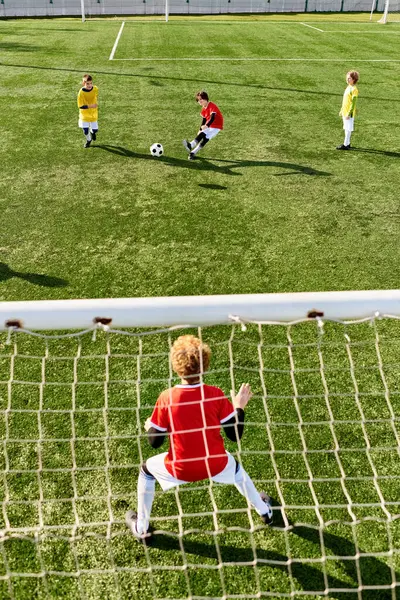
{"x": 156, "y": 150}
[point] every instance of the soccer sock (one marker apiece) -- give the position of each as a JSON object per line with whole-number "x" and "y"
{"x": 246, "y": 487}
{"x": 196, "y": 150}
{"x": 193, "y": 143}
{"x": 86, "y": 133}
{"x": 347, "y": 137}
{"x": 145, "y": 491}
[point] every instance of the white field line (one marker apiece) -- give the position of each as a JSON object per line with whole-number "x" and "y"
{"x": 338, "y": 60}
{"x": 116, "y": 41}
{"x": 362, "y": 32}
{"x": 312, "y": 27}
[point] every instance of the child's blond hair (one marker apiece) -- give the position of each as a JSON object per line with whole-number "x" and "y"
{"x": 190, "y": 356}
{"x": 355, "y": 75}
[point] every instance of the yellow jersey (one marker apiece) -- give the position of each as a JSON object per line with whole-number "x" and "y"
{"x": 349, "y": 101}
{"x": 86, "y": 97}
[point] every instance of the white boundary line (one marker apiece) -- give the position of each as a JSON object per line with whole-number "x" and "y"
{"x": 116, "y": 42}
{"x": 338, "y": 60}
{"x": 312, "y": 27}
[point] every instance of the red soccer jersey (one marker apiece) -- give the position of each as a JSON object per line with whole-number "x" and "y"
{"x": 218, "y": 122}
{"x": 193, "y": 414}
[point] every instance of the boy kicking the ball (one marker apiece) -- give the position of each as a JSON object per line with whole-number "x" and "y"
{"x": 192, "y": 415}
{"x": 88, "y": 109}
{"x": 348, "y": 109}
{"x": 211, "y": 125}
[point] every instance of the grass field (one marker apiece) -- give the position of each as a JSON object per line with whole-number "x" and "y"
{"x": 269, "y": 206}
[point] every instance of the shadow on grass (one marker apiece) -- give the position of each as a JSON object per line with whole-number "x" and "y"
{"x": 341, "y": 552}
{"x": 35, "y": 278}
{"x": 373, "y": 151}
{"x": 212, "y": 186}
{"x": 15, "y": 47}
{"x": 259, "y": 86}
{"x": 202, "y": 164}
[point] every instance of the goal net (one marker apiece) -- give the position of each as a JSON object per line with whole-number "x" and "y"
{"x": 391, "y": 11}
{"x": 322, "y": 437}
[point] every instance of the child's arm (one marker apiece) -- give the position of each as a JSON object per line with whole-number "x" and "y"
{"x": 155, "y": 436}
{"x": 353, "y": 106}
{"x": 209, "y": 122}
{"x": 234, "y": 427}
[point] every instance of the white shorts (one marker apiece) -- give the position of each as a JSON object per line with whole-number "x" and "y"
{"x": 348, "y": 124}
{"x": 156, "y": 466}
{"x": 211, "y": 132}
{"x": 88, "y": 124}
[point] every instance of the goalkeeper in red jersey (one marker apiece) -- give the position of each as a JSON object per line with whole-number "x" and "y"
{"x": 211, "y": 125}
{"x": 192, "y": 414}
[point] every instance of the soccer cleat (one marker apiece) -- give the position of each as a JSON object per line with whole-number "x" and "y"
{"x": 343, "y": 147}
{"x": 87, "y": 144}
{"x": 131, "y": 520}
{"x": 93, "y": 134}
{"x": 191, "y": 156}
{"x": 268, "y": 517}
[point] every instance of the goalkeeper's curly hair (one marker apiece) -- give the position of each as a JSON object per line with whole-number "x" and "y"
{"x": 190, "y": 356}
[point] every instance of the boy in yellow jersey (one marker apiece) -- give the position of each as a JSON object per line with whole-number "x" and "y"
{"x": 88, "y": 109}
{"x": 348, "y": 109}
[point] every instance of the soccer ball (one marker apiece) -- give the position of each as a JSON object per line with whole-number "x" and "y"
{"x": 156, "y": 150}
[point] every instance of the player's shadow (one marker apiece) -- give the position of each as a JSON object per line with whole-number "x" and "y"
{"x": 373, "y": 571}
{"x": 203, "y": 164}
{"x": 373, "y": 151}
{"x": 212, "y": 186}
{"x": 195, "y": 165}
{"x": 35, "y": 278}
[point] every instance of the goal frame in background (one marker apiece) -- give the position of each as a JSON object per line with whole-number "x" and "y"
{"x": 51, "y": 315}
{"x": 167, "y": 316}
{"x": 386, "y": 16}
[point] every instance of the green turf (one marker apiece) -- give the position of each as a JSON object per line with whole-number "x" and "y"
{"x": 269, "y": 207}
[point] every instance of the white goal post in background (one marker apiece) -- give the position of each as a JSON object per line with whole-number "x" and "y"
{"x": 391, "y": 11}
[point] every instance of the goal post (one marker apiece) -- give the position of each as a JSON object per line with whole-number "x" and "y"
{"x": 391, "y": 11}
{"x": 197, "y": 310}
{"x": 80, "y": 378}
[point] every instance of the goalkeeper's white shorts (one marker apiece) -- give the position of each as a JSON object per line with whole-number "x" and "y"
{"x": 156, "y": 466}
{"x": 348, "y": 124}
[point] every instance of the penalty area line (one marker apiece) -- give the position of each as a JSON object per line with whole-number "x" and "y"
{"x": 116, "y": 41}
{"x": 312, "y": 27}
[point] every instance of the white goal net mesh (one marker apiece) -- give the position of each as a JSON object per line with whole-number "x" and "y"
{"x": 322, "y": 436}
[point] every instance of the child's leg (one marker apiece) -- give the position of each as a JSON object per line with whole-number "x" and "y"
{"x": 234, "y": 473}
{"x": 347, "y": 137}
{"x": 94, "y": 128}
{"x": 246, "y": 487}
{"x": 200, "y": 145}
{"x": 145, "y": 492}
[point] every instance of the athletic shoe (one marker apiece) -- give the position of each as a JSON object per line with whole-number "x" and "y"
{"x": 131, "y": 520}
{"x": 192, "y": 156}
{"x": 268, "y": 517}
{"x": 93, "y": 133}
{"x": 343, "y": 147}
{"x": 87, "y": 144}
{"x": 187, "y": 145}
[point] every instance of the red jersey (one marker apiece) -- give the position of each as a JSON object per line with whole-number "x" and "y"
{"x": 193, "y": 414}
{"x": 218, "y": 122}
